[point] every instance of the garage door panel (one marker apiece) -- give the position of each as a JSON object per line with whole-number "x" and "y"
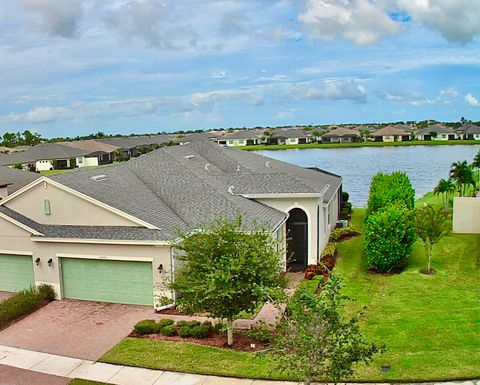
{"x": 16, "y": 272}
{"x": 108, "y": 280}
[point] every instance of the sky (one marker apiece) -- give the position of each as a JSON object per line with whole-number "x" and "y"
{"x": 74, "y": 67}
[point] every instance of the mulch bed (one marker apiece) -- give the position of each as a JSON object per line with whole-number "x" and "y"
{"x": 240, "y": 341}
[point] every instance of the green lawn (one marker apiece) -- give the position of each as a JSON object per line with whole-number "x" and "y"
{"x": 51, "y": 172}
{"x": 430, "y": 324}
{"x": 259, "y": 147}
{"x": 78, "y": 381}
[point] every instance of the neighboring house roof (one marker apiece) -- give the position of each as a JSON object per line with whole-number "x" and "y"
{"x": 131, "y": 142}
{"x": 16, "y": 179}
{"x": 470, "y": 129}
{"x": 291, "y": 133}
{"x": 92, "y": 145}
{"x": 181, "y": 187}
{"x": 44, "y": 151}
{"x": 196, "y": 136}
{"x": 243, "y": 134}
{"x": 392, "y": 130}
{"x": 342, "y": 132}
{"x": 5, "y": 150}
{"x": 437, "y": 128}
{"x": 20, "y": 148}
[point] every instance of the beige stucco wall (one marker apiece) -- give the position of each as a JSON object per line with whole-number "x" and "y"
{"x": 14, "y": 240}
{"x": 466, "y": 215}
{"x": 318, "y": 228}
{"x": 66, "y": 208}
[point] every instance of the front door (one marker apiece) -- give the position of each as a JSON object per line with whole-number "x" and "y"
{"x": 297, "y": 240}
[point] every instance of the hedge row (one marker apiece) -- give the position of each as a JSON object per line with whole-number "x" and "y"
{"x": 389, "y": 225}
{"x": 167, "y": 327}
{"x": 24, "y": 302}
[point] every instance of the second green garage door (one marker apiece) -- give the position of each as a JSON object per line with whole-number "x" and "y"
{"x": 108, "y": 280}
{"x": 16, "y": 272}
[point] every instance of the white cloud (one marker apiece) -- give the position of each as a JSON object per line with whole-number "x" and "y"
{"x": 415, "y": 98}
{"x": 287, "y": 114}
{"x": 58, "y": 18}
{"x": 335, "y": 89}
{"x": 458, "y": 21}
{"x": 36, "y": 115}
{"x": 361, "y": 21}
{"x": 472, "y": 100}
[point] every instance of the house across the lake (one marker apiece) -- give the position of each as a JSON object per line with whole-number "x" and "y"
{"x": 397, "y": 133}
{"x": 435, "y": 132}
{"x": 107, "y": 233}
{"x": 341, "y": 135}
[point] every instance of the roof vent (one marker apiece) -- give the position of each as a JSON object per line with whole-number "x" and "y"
{"x": 230, "y": 190}
{"x": 99, "y": 178}
{"x": 267, "y": 164}
{"x": 238, "y": 168}
{"x": 189, "y": 156}
{"x": 206, "y": 166}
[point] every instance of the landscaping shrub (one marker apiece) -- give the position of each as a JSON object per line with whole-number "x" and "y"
{"x": 46, "y": 292}
{"x": 20, "y": 304}
{"x": 168, "y": 330}
{"x": 389, "y": 238}
{"x": 219, "y": 327}
{"x": 345, "y": 196}
{"x": 148, "y": 326}
{"x": 185, "y": 331}
{"x": 387, "y": 189}
{"x": 261, "y": 333}
{"x": 181, "y": 324}
{"x": 341, "y": 233}
{"x": 200, "y": 331}
{"x": 165, "y": 322}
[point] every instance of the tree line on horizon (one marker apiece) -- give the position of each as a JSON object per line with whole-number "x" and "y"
{"x": 32, "y": 138}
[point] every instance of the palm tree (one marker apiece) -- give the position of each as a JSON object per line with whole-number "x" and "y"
{"x": 476, "y": 165}
{"x": 445, "y": 187}
{"x": 462, "y": 173}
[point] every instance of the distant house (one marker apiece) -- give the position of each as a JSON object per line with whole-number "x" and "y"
{"x": 392, "y": 134}
{"x": 196, "y": 137}
{"x": 47, "y": 156}
{"x": 242, "y": 138}
{"x": 104, "y": 152}
{"x": 294, "y": 135}
{"x": 435, "y": 132}
{"x": 133, "y": 146}
{"x": 12, "y": 180}
{"x": 341, "y": 135}
{"x": 469, "y": 132}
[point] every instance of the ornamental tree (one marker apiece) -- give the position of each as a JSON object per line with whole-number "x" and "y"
{"x": 430, "y": 226}
{"x": 227, "y": 268}
{"x": 315, "y": 341}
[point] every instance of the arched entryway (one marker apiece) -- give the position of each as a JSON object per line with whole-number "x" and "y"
{"x": 297, "y": 240}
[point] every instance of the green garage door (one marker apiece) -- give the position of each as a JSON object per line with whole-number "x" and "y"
{"x": 16, "y": 272}
{"x": 108, "y": 281}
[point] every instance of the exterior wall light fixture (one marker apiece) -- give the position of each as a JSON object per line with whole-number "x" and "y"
{"x": 37, "y": 261}
{"x": 50, "y": 262}
{"x": 160, "y": 268}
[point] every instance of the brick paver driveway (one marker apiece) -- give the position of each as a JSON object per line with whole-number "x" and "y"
{"x": 72, "y": 328}
{"x": 5, "y": 295}
{"x": 14, "y": 376}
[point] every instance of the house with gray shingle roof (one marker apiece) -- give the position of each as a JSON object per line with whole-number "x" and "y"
{"x": 469, "y": 132}
{"x": 46, "y": 156}
{"x": 341, "y": 135}
{"x": 397, "y": 133}
{"x": 113, "y": 228}
{"x": 435, "y": 132}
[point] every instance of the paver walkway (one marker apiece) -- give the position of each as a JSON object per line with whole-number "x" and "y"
{"x": 66, "y": 367}
{"x": 10, "y": 375}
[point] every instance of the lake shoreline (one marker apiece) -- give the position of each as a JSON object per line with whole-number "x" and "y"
{"x": 275, "y": 147}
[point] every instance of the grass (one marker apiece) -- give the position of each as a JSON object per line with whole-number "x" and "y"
{"x": 430, "y": 324}
{"x": 190, "y": 358}
{"x": 52, "y": 172}
{"x": 78, "y": 381}
{"x": 259, "y": 147}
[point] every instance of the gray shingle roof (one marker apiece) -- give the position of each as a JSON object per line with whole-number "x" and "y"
{"x": 437, "y": 128}
{"x": 87, "y": 232}
{"x": 44, "y": 151}
{"x": 16, "y": 179}
{"x": 179, "y": 187}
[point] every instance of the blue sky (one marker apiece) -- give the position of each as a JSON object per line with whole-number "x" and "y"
{"x": 73, "y": 67}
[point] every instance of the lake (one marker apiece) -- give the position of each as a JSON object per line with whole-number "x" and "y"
{"x": 424, "y": 165}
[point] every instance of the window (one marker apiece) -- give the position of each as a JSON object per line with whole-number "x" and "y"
{"x": 46, "y": 207}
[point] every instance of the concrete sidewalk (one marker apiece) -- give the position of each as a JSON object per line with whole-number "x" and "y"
{"x": 124, "y": 375}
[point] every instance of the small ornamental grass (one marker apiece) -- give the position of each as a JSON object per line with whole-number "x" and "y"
{"x": 24, "y": 302}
